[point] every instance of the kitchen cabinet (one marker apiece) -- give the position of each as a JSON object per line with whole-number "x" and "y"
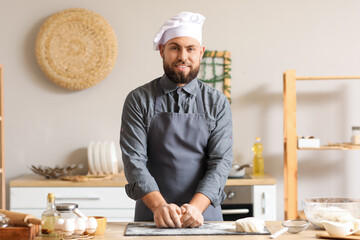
{"x": 2, "y": 159}
{"x": 108, "y": 198}
{"x": 290, "y": 139}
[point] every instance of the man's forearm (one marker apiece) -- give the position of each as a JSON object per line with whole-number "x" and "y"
{"x": 200, "y": 201}
{"x": 153, "y": 200}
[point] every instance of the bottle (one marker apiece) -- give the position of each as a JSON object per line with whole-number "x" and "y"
{"x": 258, "y": 161}
{"x": 49, "y": 216}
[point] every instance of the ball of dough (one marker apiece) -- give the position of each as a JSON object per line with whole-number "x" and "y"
{"x": 250, "y": 225}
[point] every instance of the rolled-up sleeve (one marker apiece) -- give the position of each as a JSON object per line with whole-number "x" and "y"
{"x": 220, "y": 156}
{"x": 133, "y": 144}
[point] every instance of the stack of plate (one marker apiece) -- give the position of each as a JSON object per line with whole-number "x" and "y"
{"x": 102, "y": 158}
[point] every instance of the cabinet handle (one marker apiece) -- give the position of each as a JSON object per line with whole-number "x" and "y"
{"x": 235, "y": 211}
{"x": 78, "y": 198}
{"x": 263, "y": 202}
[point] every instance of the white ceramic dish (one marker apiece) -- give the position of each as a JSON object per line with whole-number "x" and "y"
{"x": 113, "y": 164}
{"x": 103, "y": 158}
{"x": 91, "y": 158}
{"x": 97, "y": 163}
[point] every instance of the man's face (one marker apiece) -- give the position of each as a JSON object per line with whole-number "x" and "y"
{"x": 181, "y": 59}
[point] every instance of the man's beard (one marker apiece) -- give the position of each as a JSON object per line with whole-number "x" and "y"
{"x": 180, "y": 77}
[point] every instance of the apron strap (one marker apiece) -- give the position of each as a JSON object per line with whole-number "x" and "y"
{"x": 160, "y": 96}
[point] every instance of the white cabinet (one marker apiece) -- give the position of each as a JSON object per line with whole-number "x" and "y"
{"x": 111, "y": 202}
{"x": 264, "y": 199}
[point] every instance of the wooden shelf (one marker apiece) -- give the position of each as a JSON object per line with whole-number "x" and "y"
{"x": 290, "y": 139}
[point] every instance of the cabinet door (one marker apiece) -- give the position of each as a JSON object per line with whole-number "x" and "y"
{"x": 265, "y": 202}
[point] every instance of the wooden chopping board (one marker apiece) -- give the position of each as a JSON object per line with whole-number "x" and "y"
{"x": 327, "y": 236}
{"x": 208, "y": 228}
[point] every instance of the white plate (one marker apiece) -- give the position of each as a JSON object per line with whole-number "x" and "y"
{"x": 91, "y": 158}
{"x": 112, "y": 160}
{"x": 103, "y": 157}
{"x": 97, "y": 163}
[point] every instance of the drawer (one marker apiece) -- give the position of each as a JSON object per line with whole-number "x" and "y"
{"x": 85, "y": 197}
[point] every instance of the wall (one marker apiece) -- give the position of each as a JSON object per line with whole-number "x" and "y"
{"x": 48, "y": 125}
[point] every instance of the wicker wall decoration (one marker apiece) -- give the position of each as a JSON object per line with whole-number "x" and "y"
{"x": 76, "y": 48}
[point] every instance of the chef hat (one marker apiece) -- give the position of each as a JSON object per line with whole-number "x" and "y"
{"x": 185, "y": 24}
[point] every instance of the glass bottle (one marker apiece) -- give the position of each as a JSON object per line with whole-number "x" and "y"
{"x": 258, "y": 161}
{"x": 49, "y": 216}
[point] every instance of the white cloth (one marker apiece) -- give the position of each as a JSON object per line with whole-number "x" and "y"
{"x": 185, "y": 24}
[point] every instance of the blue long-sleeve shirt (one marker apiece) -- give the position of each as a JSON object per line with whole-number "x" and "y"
{"x": 138, "y": 111}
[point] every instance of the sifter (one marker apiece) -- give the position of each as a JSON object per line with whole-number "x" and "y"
{"x": 292, "y": 226}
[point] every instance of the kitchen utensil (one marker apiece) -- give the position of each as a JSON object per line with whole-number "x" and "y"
{"x": 113, "y": 158}
{"x": 327, "y": 236}
{"x": 208, "y": 228}
{"x": 103, "y": 158}
{"x": 21, "y": 219}
{"x": 341, "y": 229}
{"x": 238, "y": 171}
{"x": 292, "y": 226}
{"x": 101, "y": 225}
{"x": 97, "y": 163}
{"x": 331, "y": 209}
{"x": 91, "y": 158}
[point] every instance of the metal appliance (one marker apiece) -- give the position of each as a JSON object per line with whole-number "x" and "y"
{"x": 238, "y": 202}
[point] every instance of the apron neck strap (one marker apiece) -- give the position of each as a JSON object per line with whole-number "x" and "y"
{"x": 160, "y": 97}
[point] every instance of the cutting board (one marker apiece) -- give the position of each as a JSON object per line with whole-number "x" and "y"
{"x": 211, "y": 228}
{"x": 327, "y": 236}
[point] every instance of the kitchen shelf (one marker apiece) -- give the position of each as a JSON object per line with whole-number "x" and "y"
{"x": 290, "y": 139}
{"x": 2, "y": 160}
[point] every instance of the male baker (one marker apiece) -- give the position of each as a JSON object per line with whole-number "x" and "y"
{"x": 176, "y": 135}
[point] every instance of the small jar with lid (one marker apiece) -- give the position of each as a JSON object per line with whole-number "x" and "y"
{"x": 355, "y": 138}
{"x": 67, "y": 210}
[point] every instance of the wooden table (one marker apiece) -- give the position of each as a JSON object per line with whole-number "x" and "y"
{"x": 116, "y": 231}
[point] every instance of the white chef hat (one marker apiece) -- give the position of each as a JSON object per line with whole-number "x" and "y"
{"x": 185, "y": 24}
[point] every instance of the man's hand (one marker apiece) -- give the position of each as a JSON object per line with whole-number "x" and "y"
{"x": 191, "y": 217}
{"x": 167, "y": 216}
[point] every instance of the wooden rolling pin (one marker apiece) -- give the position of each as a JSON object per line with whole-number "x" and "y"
{"x": 21, "y": 219}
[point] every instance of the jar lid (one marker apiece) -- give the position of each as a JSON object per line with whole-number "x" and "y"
{"x": 66, "y": 206}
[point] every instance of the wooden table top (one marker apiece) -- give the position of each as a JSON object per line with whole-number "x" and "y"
{"x": 116, "y": 230}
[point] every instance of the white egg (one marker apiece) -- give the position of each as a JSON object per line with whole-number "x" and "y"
{"x": 58, "y": 225}
{"x": 68, "y": 227}
{"x": 91, "y": 225}
{"x": 80, "y": 226}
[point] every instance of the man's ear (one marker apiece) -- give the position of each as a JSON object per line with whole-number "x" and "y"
{"x": 202, "y": 51}
{"x": 161, "y": 50}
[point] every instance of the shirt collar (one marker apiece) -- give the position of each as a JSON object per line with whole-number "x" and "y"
{"x": 169, "y": 86}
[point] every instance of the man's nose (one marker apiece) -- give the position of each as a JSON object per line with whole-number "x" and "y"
{"x": 183, "y": 55}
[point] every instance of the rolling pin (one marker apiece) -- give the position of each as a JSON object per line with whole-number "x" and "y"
{"x": 21, "y": 219}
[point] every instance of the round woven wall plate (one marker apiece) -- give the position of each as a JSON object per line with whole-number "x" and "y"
{"x": 76, "y": 48}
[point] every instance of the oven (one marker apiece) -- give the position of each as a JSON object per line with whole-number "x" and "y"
{"x": 238, "y": 203}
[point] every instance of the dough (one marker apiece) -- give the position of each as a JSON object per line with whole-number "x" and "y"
{"x": 250, "y": 225}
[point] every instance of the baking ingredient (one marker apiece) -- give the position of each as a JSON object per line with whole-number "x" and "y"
{"x": 49, "y": 216}
{"x": 80, "y": 226}
{"x": 91, "y": 225}
{"x": 335, "y": 214}
{"x": 58, "y": 226}
{"x": 258, "y": 160}
{"x": 250, "y": 225}
{"x": 68, "y": 227}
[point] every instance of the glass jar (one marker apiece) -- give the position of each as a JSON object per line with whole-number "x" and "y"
{"x": 67, "y": 210}
{"x": 355, "y": 138}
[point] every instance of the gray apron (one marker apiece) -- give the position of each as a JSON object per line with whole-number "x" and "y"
{"x": 176, "y": 150}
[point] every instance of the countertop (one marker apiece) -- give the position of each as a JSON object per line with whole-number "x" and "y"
{"x": 32, "y": 180}
{"x": 116, "y": 231}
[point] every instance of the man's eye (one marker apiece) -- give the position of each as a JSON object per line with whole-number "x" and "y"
{"x": 191, "y": 49}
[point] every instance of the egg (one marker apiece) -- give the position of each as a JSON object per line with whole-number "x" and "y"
{"x": 58, "y": 225}
{"x": 68, "y": 227}
{"x": 80, "y": 226}
{"x": 91, "y": 225}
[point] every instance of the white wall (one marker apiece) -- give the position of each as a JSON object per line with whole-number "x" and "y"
{"x": 48, "y": 125}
